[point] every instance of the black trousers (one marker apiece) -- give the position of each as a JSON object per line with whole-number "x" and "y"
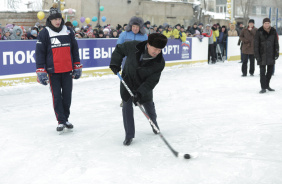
{"x": 246, "y": 57}
{"x": 265, "y": 78}
{"x": 211, "y": 53}
{"x": 128, "y": 119}
{"x": 214, "y": 50}
{"x": 61, "y": 89}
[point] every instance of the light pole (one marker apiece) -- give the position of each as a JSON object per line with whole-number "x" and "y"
{"x": 98, "y": 23}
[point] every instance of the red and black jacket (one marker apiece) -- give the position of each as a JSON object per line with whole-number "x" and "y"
{"x": 57, "y": 52}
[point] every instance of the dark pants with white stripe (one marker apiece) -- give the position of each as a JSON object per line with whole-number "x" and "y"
{"x": 61, "y": 89}
{"x": 128, "y": 119}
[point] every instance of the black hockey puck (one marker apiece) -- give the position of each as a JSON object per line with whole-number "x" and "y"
{"x": 187, "y": 156}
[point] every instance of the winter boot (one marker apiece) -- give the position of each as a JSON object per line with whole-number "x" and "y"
{"x": 263, "y": 91}
{"x": 127, "y": 141}
{"x": 69, "y": 125}
{"x": 61, "y": 127}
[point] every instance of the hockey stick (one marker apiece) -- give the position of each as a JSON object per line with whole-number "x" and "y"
{"x": 177, "y": 154}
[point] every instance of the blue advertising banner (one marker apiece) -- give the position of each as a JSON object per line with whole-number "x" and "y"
{"x": 18, "y": 57}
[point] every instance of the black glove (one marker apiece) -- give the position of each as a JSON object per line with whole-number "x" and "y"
{"x": 136, "y": 98}
{"x": 115, "y": 68}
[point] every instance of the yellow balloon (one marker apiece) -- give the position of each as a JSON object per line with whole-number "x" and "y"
{"x": 62, "y": 0}
{"x": 62, "y": 7}
{"x": 229, "y": 11}
{"x": 40, "y": 15}
{"x": 63, "y": 16}
{"x": 87, "y": 20}
{"x": 229, "y": 1}
{"x": 228, "y": 6}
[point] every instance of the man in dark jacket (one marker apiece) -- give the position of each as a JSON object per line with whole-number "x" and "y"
{"x": 141, "y": 72}
{"x": 247, "y": 37}
{"x": 57, "y": 57}
{"x": 193, "y": 29}
{"x": 266, "y": 52}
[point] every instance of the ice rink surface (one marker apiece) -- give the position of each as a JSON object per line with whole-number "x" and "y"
{"x": 209, "y": 109}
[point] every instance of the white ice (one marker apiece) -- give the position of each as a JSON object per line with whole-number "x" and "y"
{"x": 209, "y": 109}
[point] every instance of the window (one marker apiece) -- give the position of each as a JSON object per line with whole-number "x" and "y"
{"x": 221, "y": 9}
{"x": 254, "y": 10}
{"x": 263, "y": 10}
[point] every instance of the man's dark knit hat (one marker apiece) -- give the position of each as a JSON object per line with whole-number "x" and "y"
{"x": 55, "y": 12}
{"x": 251, "y": 21}
{"x": 266, "y": 20}
{"x": 157, "y": 40}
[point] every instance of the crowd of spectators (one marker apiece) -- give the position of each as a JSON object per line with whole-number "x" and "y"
{"x": 217, "y": 34}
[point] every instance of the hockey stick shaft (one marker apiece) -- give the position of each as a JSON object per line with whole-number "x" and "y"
{"x": 148, "y": 118}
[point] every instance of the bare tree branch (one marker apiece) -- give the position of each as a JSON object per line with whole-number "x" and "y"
{"x": 13, "y": 4}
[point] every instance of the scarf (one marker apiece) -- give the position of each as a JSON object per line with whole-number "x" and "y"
{"x": 49, "y": 24}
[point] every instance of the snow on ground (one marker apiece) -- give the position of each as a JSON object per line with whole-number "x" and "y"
{"x": 209, "y": 109}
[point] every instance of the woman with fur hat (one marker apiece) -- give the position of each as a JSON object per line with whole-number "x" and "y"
{"x": 6, "y": 34}
{"x": 17, "y": 33}
{"x": 58, "y": 63}
{"x": 133, "y": 31}
{"x": 142, "y": 72}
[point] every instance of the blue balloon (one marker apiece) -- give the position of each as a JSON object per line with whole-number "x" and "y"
{"x": 74, "y": 23}
{"x": 94, "y": 19}
{"x": 103, "y": 18}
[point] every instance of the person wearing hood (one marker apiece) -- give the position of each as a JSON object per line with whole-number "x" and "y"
{"x": 160, "y": 29}
{"x": 17, "y": 33}
{"x": 101, "y": 34}
{"x": 147, "y": 26}
{"x": 6, "y": 34}
{"x": 266, "y": 48}
{"x": 141, "y": 73}
{"x": 134, "y": 31}
{"x": 57, "y": 64}
{"x": 168, "y": 32}
{"x": 247, "y": 37}
{"x": 114, "y": 34}
{"x": 33, "y": 35}
{"x": 232, "y": 31}
{"x": 209, "y": 33}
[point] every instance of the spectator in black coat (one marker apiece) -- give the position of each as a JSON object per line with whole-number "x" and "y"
{"x": 222, "y": 39}
{"x": 193, "y": 29}
{"x": 266, "y": 48}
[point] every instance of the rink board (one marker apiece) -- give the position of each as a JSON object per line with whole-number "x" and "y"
{"x": 17, "y": 64}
